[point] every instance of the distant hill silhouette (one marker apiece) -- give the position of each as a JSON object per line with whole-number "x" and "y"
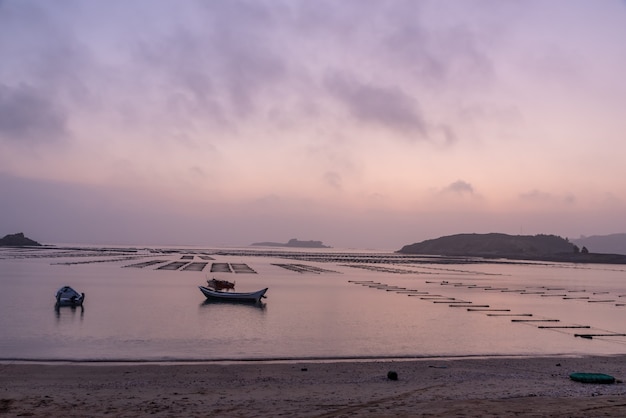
{"x": 293, "y": 243}
{"x": 18, "y": 240}
{"x": 613, "y": 243}
{"x": 491, "y": 245}
{"x": 517, "y": 247}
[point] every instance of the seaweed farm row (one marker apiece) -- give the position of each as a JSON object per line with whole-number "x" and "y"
{"x": 369, "y": 258}
{"x": 526, "y": 318}
{"x": 195, "y": 266}
{"x": 547, "y": 291}
{"x": 303, "y": 268}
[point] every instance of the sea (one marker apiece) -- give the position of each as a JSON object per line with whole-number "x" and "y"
{"x": 143, "y": 304}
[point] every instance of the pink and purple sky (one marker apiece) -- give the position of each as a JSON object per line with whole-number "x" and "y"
{"x": 363, "y": 124}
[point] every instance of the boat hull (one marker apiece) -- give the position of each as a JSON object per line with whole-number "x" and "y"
{"x": 251, "y": 297}
{"x": 66, "y": 296}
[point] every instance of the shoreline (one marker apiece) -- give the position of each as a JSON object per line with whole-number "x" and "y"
{"x": 291, "y": 360}
{"x": 501, "y": 386}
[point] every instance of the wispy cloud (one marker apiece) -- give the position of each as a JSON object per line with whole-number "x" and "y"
{"x": 542, "y": 197}
{"x": 388, "y": 107}
{"x": 29, "y": 116}
{"x": 459, "y": 187}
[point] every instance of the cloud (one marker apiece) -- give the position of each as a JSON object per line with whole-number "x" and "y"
{"x": 459, "y": 187}
{"x": 389, "y": 107}
{"x": 220, "y": 60}
{"x": 538, "y": 196}
{"x": 29, "y": 115}
{"x": 333, "y": 179}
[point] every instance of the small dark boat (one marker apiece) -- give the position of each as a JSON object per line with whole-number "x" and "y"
{"x": 220, "y": 284}
{"x": 233, "y": 296}
{"x": 66, "y": 296}
{"x": 592, "y": 378}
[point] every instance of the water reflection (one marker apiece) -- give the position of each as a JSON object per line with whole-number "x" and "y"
{"x": 234, "y": 303}
{"x": 72, "y": 309}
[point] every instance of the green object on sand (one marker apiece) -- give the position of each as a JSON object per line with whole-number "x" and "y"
{"x": 592, "y": 378}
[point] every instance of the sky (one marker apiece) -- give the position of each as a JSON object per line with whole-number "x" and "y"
{"x": 359, "y": 123}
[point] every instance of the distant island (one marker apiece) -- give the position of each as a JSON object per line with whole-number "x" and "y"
{"x": 295, "y": 243}
{"x": 612, "y": 243}
{"x": 18, "y": 240}
{"x": 518, "y": 247}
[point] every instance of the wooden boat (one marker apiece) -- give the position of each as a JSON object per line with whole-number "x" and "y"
{"x": 66, "y": 296}
{"x": 212, "y": 294}
{"x": 220, "y": 284}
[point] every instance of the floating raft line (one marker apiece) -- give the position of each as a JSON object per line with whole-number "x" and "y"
{"x": 600, "y": 293}
{"x": 531, "y": 293}
{"x": 451, "y": 301}
{"x": 535, "y": 320}
{"x": 513, "y": 314}
{"x": 195, "y": 266}
{"x": 601, "y": 301}
{"x": 469, "y": 306}
{"x": 438, "y": 298}
{"x": 174, "y": 265}
{"x": 146, "y": 263}
{"x": 489, "y": 310}
{"x": 513, "y": 290}
{"x": 548, "y": 296}
{"x": 417, "y": 293}
{"x": 577, "y": 297}
{"x": 563, "y": 326}
{"x": 590, "y": 336}
{"x": 497, "y": 288}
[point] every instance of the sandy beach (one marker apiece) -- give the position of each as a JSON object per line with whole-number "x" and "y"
{"x": 435, "y": 387}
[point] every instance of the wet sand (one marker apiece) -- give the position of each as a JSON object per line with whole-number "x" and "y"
{"x": 496, "y": 387}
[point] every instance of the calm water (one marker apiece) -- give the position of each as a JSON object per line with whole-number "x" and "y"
{"x": 340, "y": 306}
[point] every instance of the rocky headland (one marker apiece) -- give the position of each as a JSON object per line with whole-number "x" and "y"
{"x": 18, "y": 240}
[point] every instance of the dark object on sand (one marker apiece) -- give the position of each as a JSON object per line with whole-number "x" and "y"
{"x": 592, "y": 378}
{"x": 391, "y": 375}
{"x": 66, "y": 296}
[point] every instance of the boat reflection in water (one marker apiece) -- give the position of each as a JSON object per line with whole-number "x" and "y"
{"x": 215, "y": 303}
{"x": 72, "y": 311}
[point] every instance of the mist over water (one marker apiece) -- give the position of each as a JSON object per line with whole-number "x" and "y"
{"x": 321, "y": 304}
